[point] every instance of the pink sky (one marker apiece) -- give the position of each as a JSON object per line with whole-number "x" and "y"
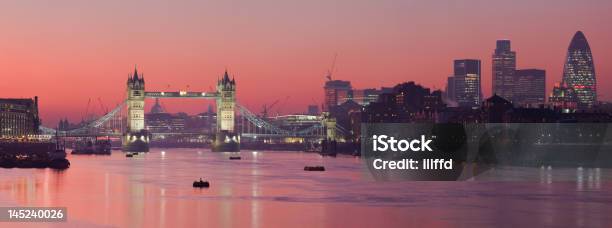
{"x": 66, "y": 52}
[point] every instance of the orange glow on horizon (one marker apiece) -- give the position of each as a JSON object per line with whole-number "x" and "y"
{"x": 71, "y": 51}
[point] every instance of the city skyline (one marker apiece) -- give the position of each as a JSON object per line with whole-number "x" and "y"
{"x": 100, "y": 49}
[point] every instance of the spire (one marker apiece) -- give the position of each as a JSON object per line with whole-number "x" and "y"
{"x": 225, "y": 78}
{"x": 135, "y": 72}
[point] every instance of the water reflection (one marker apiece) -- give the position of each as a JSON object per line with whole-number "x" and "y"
{"x": 271, "y": 189}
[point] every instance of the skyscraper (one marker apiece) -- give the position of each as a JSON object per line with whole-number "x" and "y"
{"x": 467, "y": 82}
{"x": 336, "y": 92}
{"x": 579, "y": 71}
{"x": 530, "y": 87}
{"x": 504, "y": 67}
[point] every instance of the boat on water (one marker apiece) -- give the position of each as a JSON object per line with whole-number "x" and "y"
{"x": 93, "y": 146}
{"x": 314, "y": 168}
{"x": 32, "y": 154}
{"x": 201, "y": 184}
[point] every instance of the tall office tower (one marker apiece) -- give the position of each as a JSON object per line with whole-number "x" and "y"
{"x": 530, "y": 87}
{"x": 336, "y": 93}
{"x": 467, "y": 82}
{"x": 579, "y": 71}
{"x": 504, "y": 67}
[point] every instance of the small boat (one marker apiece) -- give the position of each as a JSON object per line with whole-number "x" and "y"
{"x": 235, "y": 158}
{"x": 129, "y": 155}
{"x": 314, "y": 168}
{"x": 201, "y": 184}
{"x": 92, "y": 146}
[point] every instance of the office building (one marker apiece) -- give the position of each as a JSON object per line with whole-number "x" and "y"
{"x": 466, "y": 82}
{"x": 530, "y": 87}
{"x": 504, "y": 67}
{"x": 18, "y": 117}
{"x": 336, "y": 92}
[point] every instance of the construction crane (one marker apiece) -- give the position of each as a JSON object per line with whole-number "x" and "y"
{"x": 266, "y": 108}
{"x": 331, "y": 70}
{"x": 102, "y": 106}
{"x": 282, "y": 105}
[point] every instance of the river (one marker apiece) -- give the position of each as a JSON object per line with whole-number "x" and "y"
{"x": 271, "y": 189}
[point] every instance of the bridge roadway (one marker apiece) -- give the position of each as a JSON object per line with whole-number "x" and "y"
{"x": 182, "y": 94}
{"x": 245, "y": 135}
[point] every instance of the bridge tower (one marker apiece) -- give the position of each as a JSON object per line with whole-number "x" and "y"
{"x": 226, "y": 138}
{"x": 136, "y": 138}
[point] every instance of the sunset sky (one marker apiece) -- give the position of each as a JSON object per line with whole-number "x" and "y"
{"x": 69, "y": 51}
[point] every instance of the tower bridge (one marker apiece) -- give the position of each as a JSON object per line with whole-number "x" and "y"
{"x": 135, "y": 137}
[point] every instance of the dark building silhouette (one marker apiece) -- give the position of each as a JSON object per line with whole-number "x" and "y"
{"x": 579, "y": 71}
{"x": 495, "y": 109}
{"x": 342, "y": 113}
{"x": 530, "y": 87}
{"x": 532, "y": 115}
{"x": 383, "y": 111}
{"x": 408, "y": 102}
{"x": 504, "y": 66}
{"x": 336, "y": 92}
{"x": 364, "y": 96}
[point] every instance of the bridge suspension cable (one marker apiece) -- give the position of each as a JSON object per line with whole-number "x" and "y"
{"x": 86, "y": 128}
{"x": 316, "y": 129}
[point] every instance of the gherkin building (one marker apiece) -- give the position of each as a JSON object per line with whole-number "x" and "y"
{"x": 579, "y": 71}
